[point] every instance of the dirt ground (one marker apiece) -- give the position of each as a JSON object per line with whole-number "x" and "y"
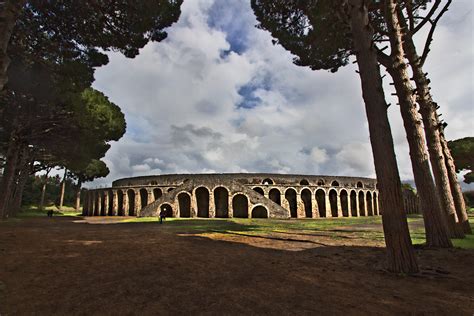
{"x": 71, "y": 265}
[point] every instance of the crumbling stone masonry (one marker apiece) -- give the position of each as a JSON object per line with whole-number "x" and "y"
{"x": 236, "y": 195}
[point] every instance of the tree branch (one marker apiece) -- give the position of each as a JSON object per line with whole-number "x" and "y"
{"x": 429, "y": 39}
{"x": 427, "y": 18}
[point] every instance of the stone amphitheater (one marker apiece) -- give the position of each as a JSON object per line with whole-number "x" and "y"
{"x": 242, "y": 195}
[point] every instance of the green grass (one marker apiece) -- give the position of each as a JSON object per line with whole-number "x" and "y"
{"x": 34, "y": 211}
{"x": 331, "y": 226}
{"x": 257, "y": 226}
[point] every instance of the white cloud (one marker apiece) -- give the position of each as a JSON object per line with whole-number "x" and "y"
{"x": 181, "y": 100}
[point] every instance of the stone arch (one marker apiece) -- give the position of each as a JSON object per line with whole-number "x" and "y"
{"x": 333, "y": 202}
{"x": 321, "y": 200}
{"x": 221, "y": 202}
{"x": 334, "y": 183}
{"x": 202, "y": 199}
{"x": 304, "y": 182}
{"x": 290, "y": 196}
{"x": 306, "y": 198}
{"x": 267, "y": 181}
{"x": 321, "y": 182}
{"x": 259, "y": 190}
{"x": 170, "y": 189}
{"x": 167, "y": 208}
{"x": 275, "y": 196}
{"x": 184, "y": 203}
{"x": 259, "y": 211}
{"x": 240, "y": 205}
{"x": 157, "y": 193}
{"x": 143, "y": 197}
{"x": 131, "y": 202}
{"x": 368, "y": 197}
{"x": 376, "y": 209}
{"x": 362, "y": 203}
{"x": 353, "y": 203}
{"x": 110, "y": 207}
{"x": 360, "y": 184}
{"x": 120, "y": 211}
{"x": 344, "y": 203}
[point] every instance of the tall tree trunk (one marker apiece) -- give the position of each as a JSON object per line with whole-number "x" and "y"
{"x": 9, "y": 12}
{"x": 7, "y": 182}
{"x": 63, "y": 189}
{"x": 401, "y": 256}
{"x": 78, "y": 195}
{"x": 431, "y": 126}
{"x": 43, "y": 189}
{"x": 458, "y": 197}
{"x": 434, "y": 220}
{"x": 22, "y": 175}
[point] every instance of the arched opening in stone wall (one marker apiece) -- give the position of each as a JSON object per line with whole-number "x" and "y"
{"x": 167, "y": 209}
{"x": 267, "y": 181}
{"x": 110, "y": 207}
{"x": 308, "y": 207}
{"x": 335, "y": 183}
{"x": 240, "y": 205}
{"x": 131, "y": 202}
{"x": 275, "y": 196}
{"x": 333, "y": 202}
{"x": 153, "y": 183}
{"x": 321, "y": 200}
{"x": 376, "y": 209}
{"x": 157, "y": 193}
{"x": 304, "y": 182}
{"x": 290, "y": 196}
{"x": 259, "y": 190}
{"x": 184, "y": 201}
{"x": 370, "y": 211}
{"x": 202, "y": 198}
{"x": 360, "y": 185}
{"x": 344, "y": 203}
{"x": 120, "y": 203}
{"x": 321, "y": 182}
{"x": 103, "y": 208}
{"x": 170, "y": 189}
{"x": 353, "y": 203}
{"x": 143, "y": 198}
{"x": 259, "y": 211}
{"x": 361, "y": 204}
{"x": 221, "y": 202}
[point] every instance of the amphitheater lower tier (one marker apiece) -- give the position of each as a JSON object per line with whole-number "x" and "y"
{"x": 235, "y": 195}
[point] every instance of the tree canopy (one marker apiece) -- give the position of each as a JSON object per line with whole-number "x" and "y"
{"x": 463, "y": 155}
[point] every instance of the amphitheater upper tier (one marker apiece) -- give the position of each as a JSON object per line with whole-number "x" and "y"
{"x": 255, "y": 195}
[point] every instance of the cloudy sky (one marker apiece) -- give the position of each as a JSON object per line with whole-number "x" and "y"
{"x": 217, "y": 96}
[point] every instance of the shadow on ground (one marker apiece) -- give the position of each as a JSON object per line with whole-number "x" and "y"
{"x": 64, "y": 266}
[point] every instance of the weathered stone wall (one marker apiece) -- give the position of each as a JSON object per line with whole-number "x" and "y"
{"x": 236, "y": 195}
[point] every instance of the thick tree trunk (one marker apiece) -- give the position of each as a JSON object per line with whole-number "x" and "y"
{"x": 458, "y": 197}
{"x": 63, "y": 189}
{"x": 78, "y": 195}
{"x": 9, "y": 12}
{"x": 7, "y": 183}
{"x": 431, "y": 126}
{"x": 401, "y": 256}
{"x": 434, "y": 220}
